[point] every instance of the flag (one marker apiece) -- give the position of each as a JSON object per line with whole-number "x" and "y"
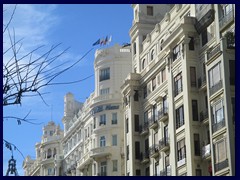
{"x": 109, "y": 40}
{"x": 97, "y": 42}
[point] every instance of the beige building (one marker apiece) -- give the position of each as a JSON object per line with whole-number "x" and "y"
{"x": 48, "y": 154}
{"x": 179, "y": 100}
{"x": 93, "y": 131}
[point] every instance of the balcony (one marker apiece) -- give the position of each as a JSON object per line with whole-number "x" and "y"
{"x": 206, "y": 152}
{"x": 163, "y": 114}
{"x": 154, "y": 150}
{"x": 166, "y": 172}
{"x": 143, "y": 129}
{"x": 218, "y": 126}
{"x": 205, "y": 21}
{"x": 213, "y": 52}
{"x": 144, "y": 157}
{"x": 215, "y": 88}
{"x": 101, "y": 151}
{"x": 85, "y": 160}
{"x": 164, "y": 144}
{"x": 102, "y": 174}
{"x": 225, "y": 20}
{"x": 202, "y": 82}
{"x": 221, "y": 165}
{"x": 152, "y": 123}
{"x": 203, "y": 115}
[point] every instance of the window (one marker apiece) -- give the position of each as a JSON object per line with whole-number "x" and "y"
{"x": 166, "y": 134}
{"x": 145, "y": 117}
{"x": 147, "y": 172}
{"x": 161, "y": 44}
{"x": 104, "y": 74}
{"x": 114, "y": 118}
{"x": 150, "y": 10}
{"x": 102, "y": 119}
{"x": 194, "y": 110}
{"x": 102, "y": 141}
{"x": 215, "y": 75}
{"x": 167, "y": 164}
{"x": 54, "y": 152}
{"x": 191, "y": 44}
{"x": 134, "y": 48}
{"x": 127, "y": 125}
{"x": 178, "y": 84}
{"x": 115, "y": 165}
{"x": 155, "y": 113}
{"x": 193, "y": 78}
{"x": 145, "y": 92}
{"x": 103, "y": 168}
{"x": 204, "y": 37}
{"x": 144, "y": 37}
{"x": 232, "y": 72}
{"x": 137, "y": 150}
{"x": 49, "y": 153}
{"x": 136, "y": 122}
{"x": 50, "y": 171}
{"x": 104, "y": 91}
{"x": 51, "y": 133}
{"x": 181, "y": 149}
{"x": 179, "y": 117}
{"x": 127, "y": 152}
{"x": 114, "y": 140}
{"x": 198, "y": 172}
{"x": 94, "y": 123}
{"x": 154, "y": 83}
{"x": 218, "y": 115}
{"x": 152, "y": 55}
{"x": 196, "y": 144}
{"x": 220, "y": 155}
{"x": 163, "y": 72}
{"x": 165, "y": 106}
{"x": 176, "y": 52}
{"x": 157, "y": 170}
{"x": 149, "y": 88}
{"x": 136, "y": 95}
{"x": 143, "y": 64}
{"x": 94, "y": 169}
{"x": 138, "y": 172}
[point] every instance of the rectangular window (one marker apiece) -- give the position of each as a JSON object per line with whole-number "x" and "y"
{"x": 115, "y": 165}
{"x": 114, "y": 140}
{"x": 194, "y": 110}
{"x": 50, "y": 171}
{"x": 104, "y": 91}
{"x": 218, "y": 115}
{"x": 150, "y": 10}
{"x": 232, "y": 72}
{"x": 137, "y": 150}
{"x": 127, "y": 125}
{"x": 104, "y": 74}
{"x": 204, "y": 37}
{"x": 135, "y": 95}
{"x": 114, "y": 118}
{"x": 157, "y": 170}
{"x": 94, "y": 123}
{"x": 145, "y": 117}
{"x": 145, "y": 92}
{"x": 149, "y": 88}
{"x": 147, "y": 172}
{"x": 127, "y": 152}
{"x": 176, "y": 52}
{"x": 196, "y": 144}
{"x": 154, "y": 83}
{"x": 178, "y": 84}
{"x": 136, "y": 122}
{"x": 191, "y": 44}
{"x": 165, "y": 106}
{"x": 193, "y": 77}
{"x": 214, "y": 75}
{"x": 102, "y": 141}
{"x": 138, "y": 172}
{"x": 102, "y": 120}
{"x": 181, "y": 149}
{"x": 179, "y": 117}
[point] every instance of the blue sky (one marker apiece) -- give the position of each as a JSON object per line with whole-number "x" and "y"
{"x": 76, "y": 26}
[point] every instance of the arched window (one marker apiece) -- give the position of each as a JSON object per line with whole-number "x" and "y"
{"x": 143, "y": 64}
{"x": 49, "y": 153}
{"x": 152, "y": 54}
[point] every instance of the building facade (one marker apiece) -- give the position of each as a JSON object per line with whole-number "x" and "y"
{"x": 48, "y": 154}
{"x": 179, "y": 100}
{"x": 93, "y": 132}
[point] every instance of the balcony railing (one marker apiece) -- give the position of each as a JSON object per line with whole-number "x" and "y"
{"x": 201, "y": 81}
{"x": 221, "y": 165}
{"x": 144, "y": 157}
{"x": 226, "y": 19}
{"x": 215, "y": 50}
{"x": 153, "y": 150}
{"x": 164, "y": 144}
{"x": 203, "y": 115}
{"x": 215, "y": 88}
{"x": 162, "y": 113}
{"x": 143, "y": 129}
{"x": 206, "y": 151}
{"x": 218, "y": 126}
{"x": 178, "y": 91}
{"x": 102, "y": 174}
{"x": 166, "y": 172}
{"x": 152, "y": 123}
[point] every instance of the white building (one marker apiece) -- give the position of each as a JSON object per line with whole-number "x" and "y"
{"x": 48, "y": 154}
{"x": 179, "y": 103}
{"x": 93, "y": 133}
